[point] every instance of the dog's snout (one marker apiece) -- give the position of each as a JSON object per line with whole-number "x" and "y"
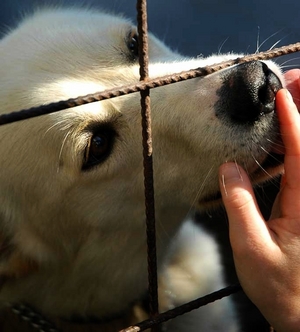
{"x": 267, "y": 90}
{"x": 248, "y": 92}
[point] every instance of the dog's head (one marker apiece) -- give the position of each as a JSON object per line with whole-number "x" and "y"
{"x": 71, "y": 183}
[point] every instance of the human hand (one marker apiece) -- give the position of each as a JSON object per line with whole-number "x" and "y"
{"x": 267, "y": 253}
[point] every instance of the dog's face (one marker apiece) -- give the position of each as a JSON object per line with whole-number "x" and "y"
{"x": 71, "y": 183}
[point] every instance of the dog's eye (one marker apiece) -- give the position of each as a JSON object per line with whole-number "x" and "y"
{"x": 133, "y": 44}
{"x": 98, "y": 149}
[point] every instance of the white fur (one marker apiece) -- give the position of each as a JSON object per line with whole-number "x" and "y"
{"x": 85, "y": 230}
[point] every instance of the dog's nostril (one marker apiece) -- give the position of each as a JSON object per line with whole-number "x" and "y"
{"x": 267, "y": 92}
{"x": 248, "y": 92}
{"x": 266, "y": 95}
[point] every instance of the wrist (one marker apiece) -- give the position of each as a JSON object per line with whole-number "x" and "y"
{"x": 284, "y": 318}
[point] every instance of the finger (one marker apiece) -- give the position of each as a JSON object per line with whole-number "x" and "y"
{"x": 289, "y": 120}
{"x": 292, "y": 78}
{"x": 246, "y": 224}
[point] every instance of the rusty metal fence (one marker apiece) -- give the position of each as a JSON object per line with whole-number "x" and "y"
{"x": 144, "y": 86}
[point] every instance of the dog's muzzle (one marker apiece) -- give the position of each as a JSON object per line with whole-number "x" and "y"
{"x": 248, "y": 92}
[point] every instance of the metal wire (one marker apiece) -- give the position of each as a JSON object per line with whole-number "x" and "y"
{"x": 141, "y": 86}
{"x": 183, "y": 309}
{"x": 35, "y": 319}
{"x": 148, "y": 163}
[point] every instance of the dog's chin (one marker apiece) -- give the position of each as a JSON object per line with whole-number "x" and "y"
{"x": 269, "y": 169}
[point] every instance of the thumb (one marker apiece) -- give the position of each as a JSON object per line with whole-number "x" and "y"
{"x": 246, "y": 223}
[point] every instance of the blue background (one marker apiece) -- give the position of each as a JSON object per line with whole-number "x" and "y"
{"x": 195, "y": 26}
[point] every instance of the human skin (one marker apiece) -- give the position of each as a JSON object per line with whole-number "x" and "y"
{"x": 267, "y": 253}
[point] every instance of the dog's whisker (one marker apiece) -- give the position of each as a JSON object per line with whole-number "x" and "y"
{"x": 247, "y": 49}
{"x": 274, "y": 143}
{"x": 286, "y": 65}
{"x": 289, "y": 67}
{"x": 200, "y": 191}
{"x": 260, "y": 166}
{"x": 289, "y": 60}
{"x": 275, "y": 44}
{"x": 279, "y": 41}
{"x": 63, "y": 124}
{"x": 61, "y": 150}
{"x": 270, "y": 154}
{"x": 267, "y": 39}
{"x": 209, "y": 214}
{"x": 257, "y": 40}
{"x": 221, "y": 46}
{"x": 52, "y": 127}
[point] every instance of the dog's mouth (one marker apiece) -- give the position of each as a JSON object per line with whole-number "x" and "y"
{"x": 271, "y": 167}
{"x": 254, "y": 86}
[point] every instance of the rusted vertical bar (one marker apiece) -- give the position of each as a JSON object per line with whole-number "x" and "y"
{"x": 148, "y": 162}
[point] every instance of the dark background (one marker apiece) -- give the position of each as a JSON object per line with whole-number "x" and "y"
{"x": 195, "y": 27}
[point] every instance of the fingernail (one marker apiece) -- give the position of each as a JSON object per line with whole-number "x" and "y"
{"x": 230, "y": 173}
{"x": 289, "y": 96}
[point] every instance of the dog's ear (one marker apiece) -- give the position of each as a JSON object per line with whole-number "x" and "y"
{"x": 13, "y": 264}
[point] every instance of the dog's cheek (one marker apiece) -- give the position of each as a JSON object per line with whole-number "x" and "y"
{"x": 16, "y": 266}
{"x": 19, "y": 256}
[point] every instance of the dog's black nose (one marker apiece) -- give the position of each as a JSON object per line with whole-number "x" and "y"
{"x": 248, "y": 92}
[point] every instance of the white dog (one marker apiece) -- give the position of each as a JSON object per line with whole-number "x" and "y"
{"x": 71, "y": 183}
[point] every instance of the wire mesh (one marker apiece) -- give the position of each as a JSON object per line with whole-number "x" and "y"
{"x": 144, "y": 86}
